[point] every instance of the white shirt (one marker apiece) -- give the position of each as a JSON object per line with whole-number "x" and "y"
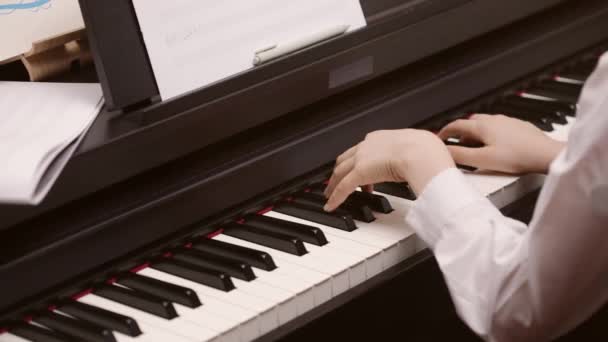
{"x": 514, "y": 283}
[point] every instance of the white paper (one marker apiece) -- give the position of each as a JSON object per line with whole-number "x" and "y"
{"x": 194, "y": 43}
{"x": 23, "y": 22}
{"x": 40, "y": 126}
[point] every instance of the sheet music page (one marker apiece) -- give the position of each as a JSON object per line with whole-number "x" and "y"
{"x": 194, "y": 43}
{"x": 23, "y": 22}
{"x": 40, "y": 125}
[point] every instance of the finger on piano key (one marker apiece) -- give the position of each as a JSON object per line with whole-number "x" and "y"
{"x": 280, "y": 242}
{"x": 32, "y": 332}
{"x": 343, "y": 222}
{"x": 306, "y": 233}
{"x": 160, "y": 289}
{"x": 233, "y": 268}
{"x": 255, "y": 258}
{"x": 376, "y": 237}
{"x": 359, "y": 212}
{"x": 376, "y": 202}
{"x": 239, "y": 309}
{"x": 179, "y": 329}
{"x": 322, "y": 282}
{"x": 104, "y": 318}
{"x": 216, "y": 279}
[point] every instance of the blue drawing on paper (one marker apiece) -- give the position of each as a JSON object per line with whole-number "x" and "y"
{"x": 10, "y": 6}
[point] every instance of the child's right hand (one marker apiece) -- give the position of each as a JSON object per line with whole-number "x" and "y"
{"x": 510, "y": 145}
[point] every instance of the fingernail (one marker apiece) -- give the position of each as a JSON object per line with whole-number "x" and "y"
{"x": 327, "y": 208}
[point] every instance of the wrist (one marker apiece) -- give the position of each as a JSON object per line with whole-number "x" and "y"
{"x": 421, "y": 172}
{"x": 552, "y": 149}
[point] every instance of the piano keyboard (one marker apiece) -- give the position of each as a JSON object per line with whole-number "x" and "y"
{"x": 267, "y": 269}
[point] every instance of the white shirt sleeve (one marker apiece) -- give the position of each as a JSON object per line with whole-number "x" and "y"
{"x": 514, "y": 283}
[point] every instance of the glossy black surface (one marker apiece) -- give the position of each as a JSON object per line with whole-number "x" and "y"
{"x": 556, "y": 112}
{"x": 233, "y": 268}
{"x": 339, "y": 221}
{"x": 374, "y": 201}
{"x": 255, "y": 258}
{"x": 204, "y": 276}
{"x": 38, "y": 334}
{"x": 101, "y": 317}
{"x": 358, "y": 211}
{"x": 279, "y": 241}
{"x": 160, "y": 289}
{"x": 304, "y": 232}
{"x": 138, "y": 300}
{"x": 77, "y": 329}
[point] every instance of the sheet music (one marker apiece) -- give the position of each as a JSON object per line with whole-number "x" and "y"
{"x": 23, "y": 22}
{"x": 194, "y": 43}
{"x": 40, "y": 127}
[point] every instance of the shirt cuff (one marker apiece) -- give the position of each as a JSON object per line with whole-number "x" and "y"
{"x": 446, "y": 194}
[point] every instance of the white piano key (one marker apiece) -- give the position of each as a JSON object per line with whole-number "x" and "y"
{"x": 238, "y": 314}
{"x": 372, "y": 256}
{"x": 177, "y": 326}
{"x": 323, "y": 282}
{"x": 302, "y": 290}
{"x": 150, "y": 333}
{"x": 332, "y": 268}
{"x": 390, "y": 246}
{"x": 285, "y": 300}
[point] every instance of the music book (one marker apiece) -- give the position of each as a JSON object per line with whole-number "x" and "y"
{"x": 41, "y": 125}
{"x": 195, "y": 43}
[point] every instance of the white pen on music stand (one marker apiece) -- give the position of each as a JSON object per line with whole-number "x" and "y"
{"x": 275, "y": 51}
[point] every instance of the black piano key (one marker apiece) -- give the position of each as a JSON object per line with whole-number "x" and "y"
{"x": 358, "y": 211}
{"x": 541, "y": 107}
{"x": 160, "y": 289}
{"x": 562, "y": 87}
{"x": 204, "y": 276}
{"x": 280, "y": 242}
{"x": 255, "y": 258}
{"x": 374, "y": 201}
{"x": 401, "y": 190}
{"x": 315, "y": 204}
{"x": 233, "y": 268}
{"x": 138, "y": 300}
{"x": 579, "y": 72}
{"x": 101, "y": 317}
{"x": 38, "y": 334}
{"x": 81, "y": 330}
{"x": 553, "y": 93}
{"x": 567, "y": 108}
{"x": 304, "y": 232}
{"x": 342, "y": 222}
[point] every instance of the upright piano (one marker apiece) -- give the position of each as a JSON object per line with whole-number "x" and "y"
{"x": 199, "y": 218}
